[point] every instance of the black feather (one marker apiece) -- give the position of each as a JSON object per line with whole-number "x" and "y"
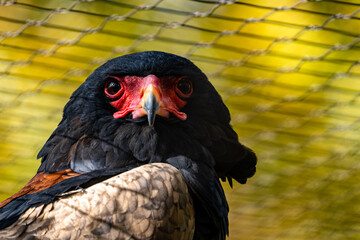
{"x": 89, "y": 140}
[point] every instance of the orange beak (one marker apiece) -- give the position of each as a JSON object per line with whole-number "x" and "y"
{"x": 150, "y": 102}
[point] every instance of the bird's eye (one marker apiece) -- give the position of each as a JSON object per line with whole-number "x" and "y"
{"x": 113, "y": 88}
{"x": 184, "y": 87}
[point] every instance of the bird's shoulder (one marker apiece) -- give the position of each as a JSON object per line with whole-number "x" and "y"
{"x": 148, "y": 202}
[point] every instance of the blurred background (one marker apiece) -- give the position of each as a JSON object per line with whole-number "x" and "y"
{"x": 288, "y": 70}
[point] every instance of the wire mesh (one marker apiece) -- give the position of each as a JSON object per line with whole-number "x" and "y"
{"x": 288, "y": 70}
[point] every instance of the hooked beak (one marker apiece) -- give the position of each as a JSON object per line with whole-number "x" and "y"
{"x": 150, "y": 102}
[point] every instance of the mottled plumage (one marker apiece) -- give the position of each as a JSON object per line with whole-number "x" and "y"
{"x": 150, "y": 203}
{"x": 105, "y": 133}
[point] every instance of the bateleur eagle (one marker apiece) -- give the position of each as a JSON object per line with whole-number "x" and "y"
{"x": 137, "y": 155}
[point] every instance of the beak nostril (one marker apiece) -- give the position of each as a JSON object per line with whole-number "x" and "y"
{"x": 151, "y": 106}
{"x": 150, "y": 102}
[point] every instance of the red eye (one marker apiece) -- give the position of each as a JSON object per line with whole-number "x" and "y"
{"x": 184, "y": 87}
{"x": 113, "y": 88}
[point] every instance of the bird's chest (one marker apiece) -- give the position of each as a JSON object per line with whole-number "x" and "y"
{"x": 125, "y": 146}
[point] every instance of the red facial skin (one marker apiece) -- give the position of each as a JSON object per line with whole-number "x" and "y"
{"x": 134, "y": 91}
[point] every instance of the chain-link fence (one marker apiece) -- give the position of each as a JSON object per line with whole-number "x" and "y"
{"x": 288, "y": 70}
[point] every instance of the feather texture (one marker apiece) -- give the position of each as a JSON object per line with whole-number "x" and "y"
{"x": 93, "y": 145}
{"x": 148, "y": 202}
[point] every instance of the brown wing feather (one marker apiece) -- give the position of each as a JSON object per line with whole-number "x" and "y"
{"x": 40, "y": 182}
{"x": 148, "y": 202}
